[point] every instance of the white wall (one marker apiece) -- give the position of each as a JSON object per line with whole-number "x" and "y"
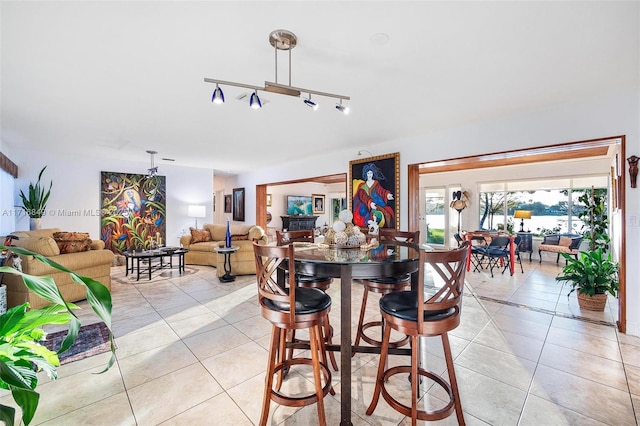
{"x": 76, "y": 188}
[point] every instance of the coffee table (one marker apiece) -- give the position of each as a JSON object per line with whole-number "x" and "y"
{"x": 227, "y": 251}
{"x": 148, "y": 256}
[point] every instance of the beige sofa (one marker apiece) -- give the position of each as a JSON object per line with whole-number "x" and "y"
{"x": 203, "y": 253}
{"x": 94, "y": 263}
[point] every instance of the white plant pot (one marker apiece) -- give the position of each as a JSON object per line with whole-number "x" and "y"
{"x": 35, "y": 224}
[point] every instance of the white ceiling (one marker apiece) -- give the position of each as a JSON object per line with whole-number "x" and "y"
{"x": 114, "y": 79}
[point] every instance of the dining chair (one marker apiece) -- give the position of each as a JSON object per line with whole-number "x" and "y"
{"x": 517, "y": 243}
{"x": 416, "y": 314}
{"x": 308, "y": 281}
{"x": 384, "y": 286}
{"x": 290, "y": 307}
{"x": 498, "y": 251}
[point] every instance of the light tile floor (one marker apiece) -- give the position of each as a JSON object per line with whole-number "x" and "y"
{"x": 192, "y": 351}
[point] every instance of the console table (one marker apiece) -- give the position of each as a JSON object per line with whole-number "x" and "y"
{"x": 298, "y": 222}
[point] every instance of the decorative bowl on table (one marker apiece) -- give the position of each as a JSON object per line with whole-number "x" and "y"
{"x": 344, "y": 234}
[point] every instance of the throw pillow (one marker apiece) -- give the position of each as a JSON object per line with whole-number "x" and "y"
{"x": 72, "y": 242}
{"x": 565, "y": 241}
{"x": 239, "y": 237}
{"x": 199, "y": 235}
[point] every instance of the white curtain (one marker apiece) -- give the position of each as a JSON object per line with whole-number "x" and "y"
{"x": 7, "y": 208}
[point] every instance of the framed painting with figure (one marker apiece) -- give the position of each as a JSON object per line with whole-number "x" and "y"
{"x": 227, "y": 203}
{"x": 238, "y": 204}
{"x": 318, "y": 203}
{"x": 374, "y": 191}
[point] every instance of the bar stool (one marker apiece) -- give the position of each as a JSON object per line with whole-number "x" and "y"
{"x": 289, "y": 307}
{"x": 385, "y": 286}
{"x": 323, "y": 283}
{"x": 408, "y": 312}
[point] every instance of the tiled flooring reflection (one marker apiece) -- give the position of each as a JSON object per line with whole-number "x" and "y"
{"x": 192, "y": 351}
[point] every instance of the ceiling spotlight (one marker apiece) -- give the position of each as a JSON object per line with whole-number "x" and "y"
{"x": 281, "y": 40}
{"x": 310, "y": 103}
{"x": 254, "y": 101}
{"x": 343, "y": 109}
{"x": 218, "y": 96}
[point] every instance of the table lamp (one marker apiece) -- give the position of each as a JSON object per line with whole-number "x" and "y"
{"x": 522, "y": 215}
{"x": 197, "y": 211}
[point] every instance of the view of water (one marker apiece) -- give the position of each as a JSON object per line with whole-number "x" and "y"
{"x": 535, "y": 224}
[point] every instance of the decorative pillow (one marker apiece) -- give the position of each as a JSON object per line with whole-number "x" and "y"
{"x": 45, "y": 246}
{"x": 199, "y": 235}
{"x": 565, "y": 241}
{"x": 72, "y": 242}
{"x": 239, "y": 237}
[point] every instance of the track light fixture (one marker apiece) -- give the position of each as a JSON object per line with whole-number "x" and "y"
{"x": 254, "y": 101}
{"x": 280, "y": 40}
{"x": 342, "y": 109}
{"x": 218, "y": 96}
{"x": 310, "y": 103}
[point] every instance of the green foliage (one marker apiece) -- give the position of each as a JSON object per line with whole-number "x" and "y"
{"x": 36, "y": 203}
{"x": 591, "y": 273}
{"x": 435, "y": 236}
{"x": 595, "y": 218}
{"x": 21, "y": 353}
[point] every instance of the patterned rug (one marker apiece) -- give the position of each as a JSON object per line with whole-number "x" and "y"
{"x": 93, "y": 339}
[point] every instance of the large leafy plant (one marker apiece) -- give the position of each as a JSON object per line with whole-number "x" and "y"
{"x": 595, "y": 218}
{"x": 590, "y": 273}
{"x": 22, "y": 355}
{"x": 36, "y": 202}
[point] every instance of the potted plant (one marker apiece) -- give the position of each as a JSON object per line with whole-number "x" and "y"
{"x": 22, "y": 354}
{"x": 36, "y": 202}
{"x": 592, "y": 273}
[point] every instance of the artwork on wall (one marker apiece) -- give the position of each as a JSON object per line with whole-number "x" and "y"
{"x": 268, "y": 200}
{"x": 227, "y": 203}
{"x": 299, "y": 204}
{"x": 238, "y": 204}
{"x": 133, "y": 211}
{"x": 337, "y": 205}
{"x": 318, "y": 203}
{"x": 374, "y": 189}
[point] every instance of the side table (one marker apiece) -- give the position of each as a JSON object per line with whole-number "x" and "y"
{"x": 227, "y": 251}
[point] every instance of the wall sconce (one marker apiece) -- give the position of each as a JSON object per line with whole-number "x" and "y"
{"x": 197, "y": 211}
{"x": 633, "y": 169}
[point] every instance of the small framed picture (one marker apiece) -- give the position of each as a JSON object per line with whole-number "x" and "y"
{"x": 227, "y": 203}
{"x": 318, "y": 203}
{"x": 268, "y": 200}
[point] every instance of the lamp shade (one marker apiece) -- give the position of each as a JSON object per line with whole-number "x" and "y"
{"x": 197, "y": 211}
{"x": 522, "y": 214}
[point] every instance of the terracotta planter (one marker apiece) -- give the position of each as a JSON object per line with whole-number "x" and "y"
{"x": 597, "y": 302}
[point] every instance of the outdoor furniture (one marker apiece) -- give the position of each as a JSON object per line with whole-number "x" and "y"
{"x": 557, "y": 243}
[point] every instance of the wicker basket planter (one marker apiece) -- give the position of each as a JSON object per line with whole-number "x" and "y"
{"x": 597, "y": 302}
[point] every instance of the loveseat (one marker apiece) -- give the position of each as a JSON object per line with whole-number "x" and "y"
{"x": 79, "y": 254}
{"x": 202, "y": 243}
{"x": 560, "y": 243}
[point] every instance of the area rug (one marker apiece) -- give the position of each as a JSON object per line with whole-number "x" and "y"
{"x": 93, "y": 339}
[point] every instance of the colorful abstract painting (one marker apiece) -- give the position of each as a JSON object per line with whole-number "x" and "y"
{"x": 133, "y": 211}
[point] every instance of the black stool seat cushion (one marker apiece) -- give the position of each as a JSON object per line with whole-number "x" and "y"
{"x": 308, "y": 301}
{"x": 392, "y": 280}
{"x": 311, "y": 279}
{"x": 404, "y": 305}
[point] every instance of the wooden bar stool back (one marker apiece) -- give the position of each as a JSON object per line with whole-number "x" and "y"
{"x": 289, "y": 307}
{"x": 414, "y": 314}
{"x": 384, "y": 286}
{"x": 308, "y": 281}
